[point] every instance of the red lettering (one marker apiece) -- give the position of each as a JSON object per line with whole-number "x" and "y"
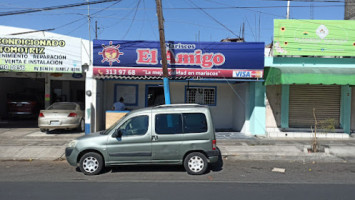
{"x": 218, "y": 59}
{"x": 143, "y": 56}
{"x": 154, "y": 56}
{"x": 185, "y": 58}
{"x": 206, "y": 60}
{"x": 198, "y": 57}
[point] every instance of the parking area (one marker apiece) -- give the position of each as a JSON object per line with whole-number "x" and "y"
{"x": 22, "y": 140}
{"x": 19, "y": 123}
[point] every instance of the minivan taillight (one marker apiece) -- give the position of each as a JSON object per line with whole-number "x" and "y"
{"x": 72, "y": 115}
{"x": 214, "y": 144}
{"x": 41, "y": 115}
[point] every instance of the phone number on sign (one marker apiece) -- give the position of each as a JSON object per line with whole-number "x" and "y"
{"x": 13, "y": 67}
{"x": 120, "y": 72}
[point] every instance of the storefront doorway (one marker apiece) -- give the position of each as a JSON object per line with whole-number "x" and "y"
{"x": 154, "y": 95}
{"x": 67, "y": 91}
{"x": 21, "y": 99}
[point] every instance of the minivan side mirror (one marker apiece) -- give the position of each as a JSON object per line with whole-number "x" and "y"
{"x": 117, "y": 133}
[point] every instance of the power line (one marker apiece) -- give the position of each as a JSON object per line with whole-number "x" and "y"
{"x": 134, "y": 16}
{"x": 33, "y": 10}
{"x": 320, "y": 1}
{"x": 118, "y": 1}
{"x": 102, "y": 10}
{"x": 116, "y": 23}
{"x": 85, "y": 17}
{"x": 181, "y": 8}
{"x": 152, "y": 27}
{"x": 229, "y": 7}
{"x": 214, "y": 19}
{"x": 251, "y": 7}
{"x": 34, "y": 31}
{"x": 74, "y": 21}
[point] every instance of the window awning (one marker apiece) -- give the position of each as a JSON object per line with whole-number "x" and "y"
{"x": 309, "y": 75}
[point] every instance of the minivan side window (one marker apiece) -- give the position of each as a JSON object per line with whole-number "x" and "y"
{"x": 168, "y": 124}
{"x": 135, "y": 126}
{"x": 180, "y": 123}
{"x": 194, "y": 123}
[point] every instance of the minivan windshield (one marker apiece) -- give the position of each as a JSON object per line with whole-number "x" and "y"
{"x": 107, "y": 131}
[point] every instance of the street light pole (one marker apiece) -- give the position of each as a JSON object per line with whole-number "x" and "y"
{"x": 163, "y": 52}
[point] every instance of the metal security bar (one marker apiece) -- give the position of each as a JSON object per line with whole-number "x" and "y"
{"x": 201, "y": 95}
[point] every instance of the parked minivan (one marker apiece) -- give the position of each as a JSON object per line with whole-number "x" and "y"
{"x": 181, "y": 134}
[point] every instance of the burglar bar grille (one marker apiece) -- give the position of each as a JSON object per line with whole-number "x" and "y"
{"x": 201, "y": 95}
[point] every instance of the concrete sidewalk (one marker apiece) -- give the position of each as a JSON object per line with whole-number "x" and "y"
{"x": 31, "y": 144}
{"x": 241, "y": 147}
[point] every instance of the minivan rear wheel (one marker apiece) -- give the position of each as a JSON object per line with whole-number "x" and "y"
{"x": 195, "y": 163}
{"x": 91, "y": 163}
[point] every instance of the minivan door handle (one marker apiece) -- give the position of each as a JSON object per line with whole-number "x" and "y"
{"x": 154, "y": 138}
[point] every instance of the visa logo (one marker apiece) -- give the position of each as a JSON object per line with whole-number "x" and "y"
{"x": 242, "y": 74}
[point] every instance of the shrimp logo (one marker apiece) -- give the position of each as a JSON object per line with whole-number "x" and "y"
{"x": 110, "y": 53}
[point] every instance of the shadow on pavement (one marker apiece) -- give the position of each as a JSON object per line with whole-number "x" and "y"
{"x": 19, "y": 123}
{"x": 141, "y": 168}
{"x": 63, "y": 131}
{"x": 145, "y": 168}
{"x": 218, "y": 166}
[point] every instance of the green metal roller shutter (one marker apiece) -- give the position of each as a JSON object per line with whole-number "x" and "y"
{"x": 303, "y": 98}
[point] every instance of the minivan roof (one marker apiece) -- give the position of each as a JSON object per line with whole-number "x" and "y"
{"x": 170, "y": 106}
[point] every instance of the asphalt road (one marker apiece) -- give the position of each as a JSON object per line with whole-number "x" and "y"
{"x": 172, "y": 191}
{"x": 237, "y": 180}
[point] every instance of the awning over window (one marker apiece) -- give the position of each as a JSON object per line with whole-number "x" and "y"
{"x": 309, "y": 75}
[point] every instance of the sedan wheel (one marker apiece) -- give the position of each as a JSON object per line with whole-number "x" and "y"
{"x": 195, "y": 163}
{"x": 81, "y": 127}
{"x": 43, "y": 130}
{"x": 91, "y": 163}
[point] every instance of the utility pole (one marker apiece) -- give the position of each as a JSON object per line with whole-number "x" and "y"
{"x": 96, "y": 30}
{"x": 89, "y": 24}
{"x": 288, "y": 10}
{"x": 163, "y": 52}
{"x": 89, "y": 86}
{"x": 259, "y": 29}
{"x": 243, "y": 30}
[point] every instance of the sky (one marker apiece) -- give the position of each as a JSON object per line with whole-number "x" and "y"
{"x": 185, "y": 20}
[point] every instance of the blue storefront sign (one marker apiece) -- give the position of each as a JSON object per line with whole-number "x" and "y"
{"x": 190, "y": 59}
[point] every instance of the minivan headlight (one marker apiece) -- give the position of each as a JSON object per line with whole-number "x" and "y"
{"x": 72, "y": 143}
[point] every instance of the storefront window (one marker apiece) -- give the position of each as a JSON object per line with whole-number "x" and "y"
{"x": 201, "y": 95}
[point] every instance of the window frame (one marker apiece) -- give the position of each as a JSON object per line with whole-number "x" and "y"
{"x": 117, "y": 94}
{"x": 155, "y": 123}
{"x": 129, "y": 120}
{"x": 202, "y": 87}
{"x": 182, "y": 123}
{"x": 184, "y": 129}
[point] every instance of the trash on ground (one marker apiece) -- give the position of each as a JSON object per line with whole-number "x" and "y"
{"x": 280, "y": 170}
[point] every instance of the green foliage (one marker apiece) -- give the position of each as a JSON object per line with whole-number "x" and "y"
{"x": 327, "y": 125}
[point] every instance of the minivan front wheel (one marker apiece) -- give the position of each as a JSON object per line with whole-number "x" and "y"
{"x": 91, "y": 163}
{"x": 195, "y": 163}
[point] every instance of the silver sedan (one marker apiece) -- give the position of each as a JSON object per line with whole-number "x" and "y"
{"x": 62, "y": 115}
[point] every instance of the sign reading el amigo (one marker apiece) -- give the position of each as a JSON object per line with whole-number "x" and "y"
{"x": 314, "y": 37}
{"x": 40, "y": 54}
{"x": 185, "y": 59}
